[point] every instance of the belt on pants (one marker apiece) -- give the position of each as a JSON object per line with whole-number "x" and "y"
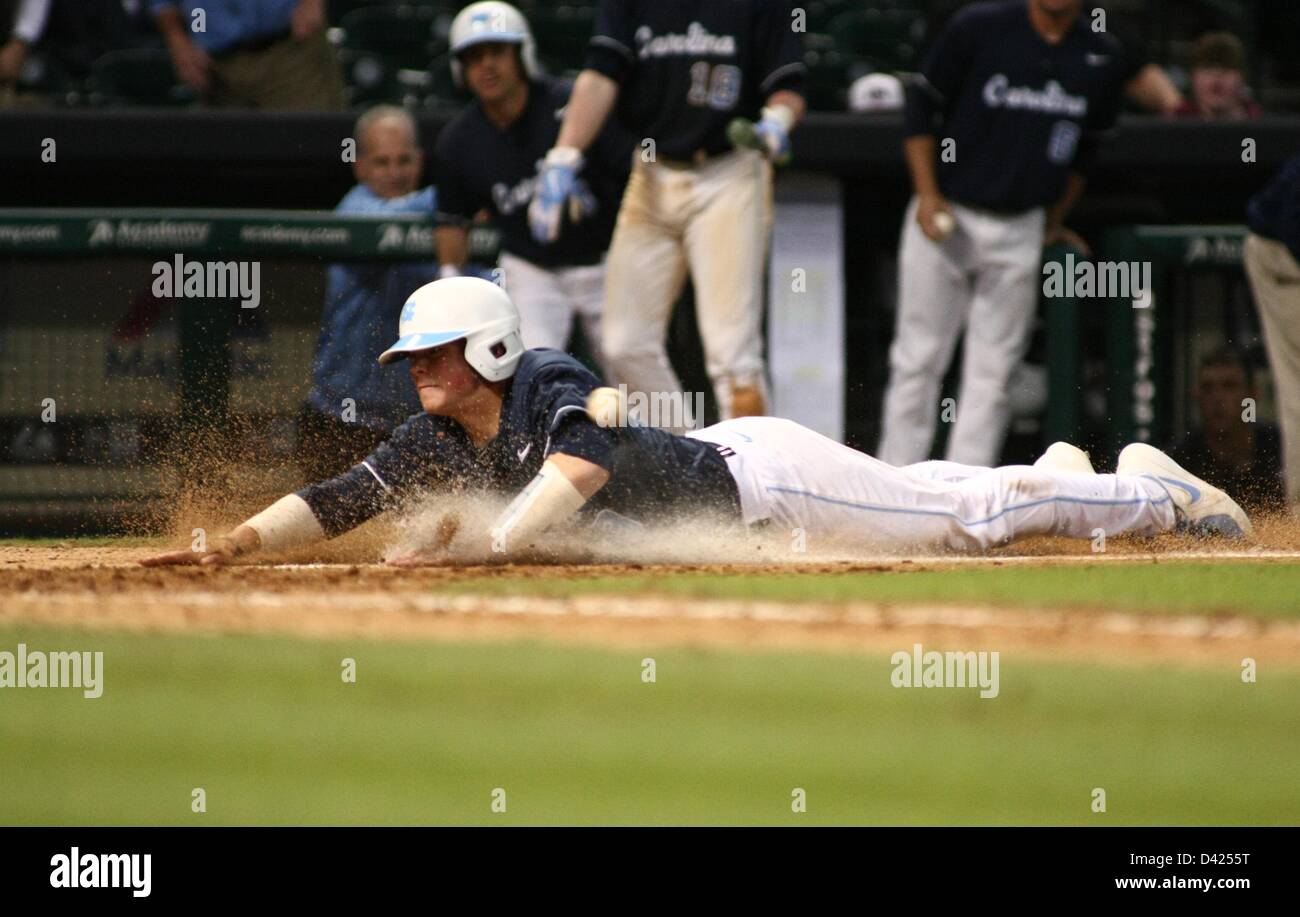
{"x": 696, "y": 159}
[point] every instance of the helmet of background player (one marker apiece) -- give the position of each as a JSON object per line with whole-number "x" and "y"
{"x": 471, "y": 308}
{"x": 492, "y": 21}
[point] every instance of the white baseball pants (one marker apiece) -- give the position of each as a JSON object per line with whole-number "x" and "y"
{"x": 837, "y": 496}
{"x": 548, "y": 300}
{"x": 1275, "y": 281}
{"x": 714, "y": 220}
{"x": 984, "y": 278}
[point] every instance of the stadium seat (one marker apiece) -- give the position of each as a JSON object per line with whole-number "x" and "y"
{"x": 369, "y": 78}
{"x": 405, "y": 35}
{"x": 887, "y": 38}
{"x": 44, "y": 77}
{"x": 137, "y": 77}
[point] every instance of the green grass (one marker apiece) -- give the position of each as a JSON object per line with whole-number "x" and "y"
{"x": 269, "y": 730}
{"x": 1262, "y": 589}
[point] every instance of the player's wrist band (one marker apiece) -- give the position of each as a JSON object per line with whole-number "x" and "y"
{"x": 286, "y": 523}
{"x": 448, "y": 270}
{"x": 550, "y": 497}
{"x": 570, "y": 157}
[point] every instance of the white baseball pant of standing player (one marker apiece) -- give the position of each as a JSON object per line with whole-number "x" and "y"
{"x": 1274, "y": 276}
{"x": 799, "y": 479}
{"x": 984, "y": 279}
{"x": 713, "y": 219}
{"x": 548, "y": 300}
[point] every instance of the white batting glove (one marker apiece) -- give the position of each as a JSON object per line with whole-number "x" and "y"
{"x": 556, "y": 183}
{"x": 773, "y": 131}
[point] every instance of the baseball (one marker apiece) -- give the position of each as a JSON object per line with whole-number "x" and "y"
{"x": 603, "y": 407}
{"x": 944, "y": 222}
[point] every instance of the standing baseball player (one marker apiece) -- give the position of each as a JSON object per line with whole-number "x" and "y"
{"x": 1001, "y": 124}
{"x": 502, "y": 419}
{"x": 487, "y": 158}
{"x": 679, "y": 71}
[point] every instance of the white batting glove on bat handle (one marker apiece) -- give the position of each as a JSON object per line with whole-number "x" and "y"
{"x": 555, "y": 185}
{"x": 773, "y": 132}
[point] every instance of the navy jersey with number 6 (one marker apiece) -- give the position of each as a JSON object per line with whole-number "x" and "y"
{"x": 687, "y": 67}
{"x": 1020, "y": 113}
{"x": 653, "y": 474}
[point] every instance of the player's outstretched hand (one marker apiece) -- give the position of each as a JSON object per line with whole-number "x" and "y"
{"x": 179, "y": 558}
{"x": 218, "y": 551}
{"x": 555, "y": 184}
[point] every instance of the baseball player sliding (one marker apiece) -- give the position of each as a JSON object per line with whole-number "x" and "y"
{"x": 1001, "y": 124}
{"x": 679, "y": 72}
{"x": 503, "y": 419}
{"x": 487, "y": 158}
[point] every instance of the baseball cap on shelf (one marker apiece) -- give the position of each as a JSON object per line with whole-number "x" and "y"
{"x": 876, "y": 92}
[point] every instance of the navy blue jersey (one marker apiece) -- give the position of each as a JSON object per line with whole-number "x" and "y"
{"x": 1022, "y": 112}
{"x": 654, "y": 475}
{"x": 687, "y": 67}
{"x": 478, "y": 165}
{"x": 1274, "y": 213}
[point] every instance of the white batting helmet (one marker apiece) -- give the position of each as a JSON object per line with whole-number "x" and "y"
{"x": 462, "y": 307}
{"x": 491, "y": 20}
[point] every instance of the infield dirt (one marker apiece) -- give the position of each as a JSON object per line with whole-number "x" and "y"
{"x": 321, "y": 594}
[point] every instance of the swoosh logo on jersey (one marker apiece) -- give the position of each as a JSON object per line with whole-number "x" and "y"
{"x": 523, "y": 453}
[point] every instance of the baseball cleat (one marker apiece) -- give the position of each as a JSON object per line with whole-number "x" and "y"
{"x": 1064, "y": 457}
{"x": 1202, "y": 508}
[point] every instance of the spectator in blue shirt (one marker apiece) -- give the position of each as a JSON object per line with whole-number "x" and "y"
{"x": 253, "y": 53}
{"x": 354, "y": 402}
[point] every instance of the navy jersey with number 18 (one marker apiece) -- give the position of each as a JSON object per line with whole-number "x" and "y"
{"x": 687, "y": 67}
